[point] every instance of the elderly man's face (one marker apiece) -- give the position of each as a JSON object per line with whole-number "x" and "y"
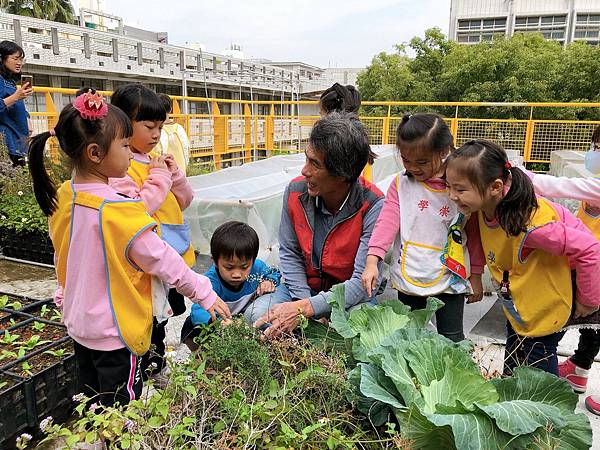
{"x": 320, "y": 181}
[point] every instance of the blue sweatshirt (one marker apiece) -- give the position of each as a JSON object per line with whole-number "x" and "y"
{"x": 259, "y": 272}
{"x": 13, "y": 120}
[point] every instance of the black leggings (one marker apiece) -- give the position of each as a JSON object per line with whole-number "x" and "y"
{"x": 587, "y": 350}
{"x": 449, "y": 318}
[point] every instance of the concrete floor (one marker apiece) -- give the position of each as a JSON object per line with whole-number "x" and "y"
{"x": 484, "y": 324}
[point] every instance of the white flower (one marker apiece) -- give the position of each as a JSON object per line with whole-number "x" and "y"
{"x": 3, "y": 217}
{"x": 78, "y": 397}
{"x": 94, "y": 407}
{"x": 45, "y": 423}
{"x": 20, "y": 193}
{"x": 24, "y": 219}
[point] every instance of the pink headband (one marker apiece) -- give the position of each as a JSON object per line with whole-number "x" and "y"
{"x": 91, "y": 106}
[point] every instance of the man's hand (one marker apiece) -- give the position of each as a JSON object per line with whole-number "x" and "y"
{"x": 285, "y": 317}
{"x": 265, "y": 287}
{"x": 583, "y": 310}
{"x": 477, "y": 287}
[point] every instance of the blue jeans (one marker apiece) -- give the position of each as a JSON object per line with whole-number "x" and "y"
{"x": 539, "y": 352}
{"x": 262, "y": 304}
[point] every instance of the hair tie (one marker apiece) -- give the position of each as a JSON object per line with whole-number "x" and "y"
{"x": 91, "y": 106}
{"x": 507, "y": 165}
{"x": 52, "y": 132}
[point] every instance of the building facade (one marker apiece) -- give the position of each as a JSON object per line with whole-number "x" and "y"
{"x": 565, "y": 21}
{"x": 71, "y": 56}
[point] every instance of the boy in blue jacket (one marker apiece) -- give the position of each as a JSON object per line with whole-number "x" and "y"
{"x": 237, "y": 276}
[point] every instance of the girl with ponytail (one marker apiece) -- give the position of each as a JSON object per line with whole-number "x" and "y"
{"x": 531, "y": 245}
{"x": 106, "y": 250}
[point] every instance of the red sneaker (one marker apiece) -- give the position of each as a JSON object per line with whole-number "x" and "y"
{"x": 575, "y": 375}
{"x": 592, "y": 403}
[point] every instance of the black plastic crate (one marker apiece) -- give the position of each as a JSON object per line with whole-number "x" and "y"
{"x": 30, "y": 400}
{"x": 14, "y": 411}
{"x": 33, "y": 246}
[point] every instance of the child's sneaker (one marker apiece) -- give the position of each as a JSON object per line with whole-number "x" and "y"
{"x": 575, "y": 375}
{"x": 592, "y": 403}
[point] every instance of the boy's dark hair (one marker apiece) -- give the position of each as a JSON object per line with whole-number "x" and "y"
{"x": 424, "y": 130}
{"x": 234, "y": 239}
{"x": 74, "y": 134}
{"x": 596, "y": 135}
{"x": 8, "y": 48}
{"x": 482, "y": 162}
{"x": 166, "y": 102}
{"x": 139, "y": 103}
{"x": 343, "y": 141}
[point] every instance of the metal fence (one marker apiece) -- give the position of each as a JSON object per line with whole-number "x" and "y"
{"x": 259, "y": 129}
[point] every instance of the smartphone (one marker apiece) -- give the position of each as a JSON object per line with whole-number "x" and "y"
{"x": 27, "y": 79}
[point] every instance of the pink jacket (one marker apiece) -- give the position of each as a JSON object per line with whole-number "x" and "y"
{"x": 86, "y": 308}
{"x": 388, "y": 226}
{"x": 156, "y": 187}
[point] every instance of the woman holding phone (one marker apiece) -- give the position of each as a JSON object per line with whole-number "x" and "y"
{"x": 14, "y": 117}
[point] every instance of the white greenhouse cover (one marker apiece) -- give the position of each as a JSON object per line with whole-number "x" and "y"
{"x": 253, "y": 193}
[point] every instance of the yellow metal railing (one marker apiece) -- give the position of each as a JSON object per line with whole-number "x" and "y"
{"x": 224, "y": 131}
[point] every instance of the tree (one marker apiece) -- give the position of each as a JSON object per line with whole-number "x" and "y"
{"x": 387, "y": 78}
{"x": 55, "y": 10}
{"x": 523, "y": 68}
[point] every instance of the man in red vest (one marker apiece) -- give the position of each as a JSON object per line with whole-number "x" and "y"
{"x": 328, "y": 215}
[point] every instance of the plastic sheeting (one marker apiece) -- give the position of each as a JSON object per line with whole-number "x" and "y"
{"x": 253, "y": 193}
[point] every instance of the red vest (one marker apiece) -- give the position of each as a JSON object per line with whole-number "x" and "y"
{"x": 343, "y": 239}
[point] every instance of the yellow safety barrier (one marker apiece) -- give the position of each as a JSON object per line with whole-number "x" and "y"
{"x": 225, "y": 132}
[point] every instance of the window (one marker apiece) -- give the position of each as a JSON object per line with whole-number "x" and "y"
{"x": 477, "y": 30}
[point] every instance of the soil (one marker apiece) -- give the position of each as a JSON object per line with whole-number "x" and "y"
{"x": 6, "y": 322}
{"x": 50, "y": 333}
{"x": 44, "y": 360}
{"x": 10, "y": 380}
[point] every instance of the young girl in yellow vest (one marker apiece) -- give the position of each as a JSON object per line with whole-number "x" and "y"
{"x": 531, "y": 246}
{"x": 165, "y": 191}
{"x": 417, "y": 217}
{"x": 106, "y": 250}
{"x": 173, "y": 138}
{"x": 575, "y": 369}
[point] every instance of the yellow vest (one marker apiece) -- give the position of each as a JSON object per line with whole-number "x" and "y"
{"x": 129, "y": 289}
{"x": 589, "y": 215}
{"x": 540, "y": 285}
{"x": 172, "y": 228}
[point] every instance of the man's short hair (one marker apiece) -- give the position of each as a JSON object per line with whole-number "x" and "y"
{"x": 344, "y": 142}
{"x": 234, "y": 239}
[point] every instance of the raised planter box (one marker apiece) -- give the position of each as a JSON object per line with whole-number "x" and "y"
{"x": 40, "y": 382}
{"x": 27, "y": 245}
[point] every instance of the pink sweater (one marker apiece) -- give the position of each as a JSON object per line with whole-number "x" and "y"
{"x": 388, "y": 226}
{"x": 156, "y": 187}
{"x": 86, "y": 309}
{"x": 571, "y": 238}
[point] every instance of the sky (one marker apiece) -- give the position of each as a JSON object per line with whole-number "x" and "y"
{"x": 325, "y": 33}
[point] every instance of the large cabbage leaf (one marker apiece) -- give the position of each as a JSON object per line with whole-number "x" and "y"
{"x": 437, "y": 392}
